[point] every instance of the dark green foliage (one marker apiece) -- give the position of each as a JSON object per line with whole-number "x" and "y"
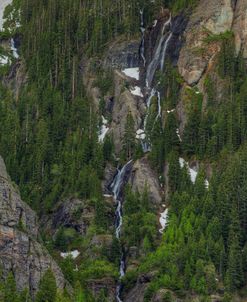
{"x": 206, "y": 237}
{"x": 162, "y": 130}
{"x": 191, "y": 131}
{"x": 139, "y": 226}
{"x": 179, "y": 5}
{"x": 129, "y": 144}
{"x": 48, "y": 137}
{"x": 102, "y": 217}
{"x": 47, "y": 288}
{"x": 10, "y": 293}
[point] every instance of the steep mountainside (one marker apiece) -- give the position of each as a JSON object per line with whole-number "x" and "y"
{"x": 21, "y": 251}
{"x": 123, "y": 125}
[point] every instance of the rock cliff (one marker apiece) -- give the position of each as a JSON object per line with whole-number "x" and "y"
{"x": 143, "y": 177}
{"x": 21, "y": 250}
{"x": 210, "y": 17}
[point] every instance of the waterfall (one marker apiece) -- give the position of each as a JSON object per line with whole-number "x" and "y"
{"x": 157, "y": 61}
{"x": 142, "y": 48}
{"x": 159, "y": 106}
{"x": 117, "y": 187}
{"x": 148, "y": 103}
{"x": 154, "y": 63}
{"x": 164, "y": 52}
{"x": 159, "y": 54}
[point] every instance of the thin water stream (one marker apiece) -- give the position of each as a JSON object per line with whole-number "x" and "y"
{"x": 117, "y": 188}
{"x": 157, "y": 62}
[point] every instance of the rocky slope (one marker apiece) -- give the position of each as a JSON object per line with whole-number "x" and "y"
{"x": 211, "y": 18}
{"x": 143, "y": 177}
{"x": 20, "y": 246}
{"x": 21, "y": 250}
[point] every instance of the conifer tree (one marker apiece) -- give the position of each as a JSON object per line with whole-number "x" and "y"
{"x": 129, "y": 137}
{"x": 47, "y": 288}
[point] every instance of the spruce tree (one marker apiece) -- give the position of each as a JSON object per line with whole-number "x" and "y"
{"x": 47, "y": 288}
{"x": 129, "y": 137}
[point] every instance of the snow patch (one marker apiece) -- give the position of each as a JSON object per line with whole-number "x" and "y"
{"x": 193, "y": 173}
{"x": 136, "y": 91}
{"x": 163, "y": 220}
{"x": 140, "y": 134}
{"x": 4, "y": 60}
{"x": 170, "y": 111}
{"x": 132, "y": 72}
{"x": 74, "y": 254}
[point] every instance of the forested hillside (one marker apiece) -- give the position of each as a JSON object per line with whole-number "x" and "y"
{"x": 123, "y": 126}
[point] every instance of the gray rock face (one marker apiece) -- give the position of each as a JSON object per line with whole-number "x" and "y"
{"x": 96, "y": 286}
{"x": 240, "y": 27}
{"x": 71, "y": 213}
{"x": 26, "y": 258}
{"x": 20, "y": 251}
{"x": 123, "y": 55}
{"x": 124, "y": 102}
{"x": 109, "y": 174}
{"x": 3, "y": 172}
{"x": 137, "y": 292}
{"x": 213, "y": 17}
{"x": 143, "y": 176}
{"x": 16, "y": 78}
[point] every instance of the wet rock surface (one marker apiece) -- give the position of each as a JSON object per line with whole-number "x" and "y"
{"x": 122, "y": 54}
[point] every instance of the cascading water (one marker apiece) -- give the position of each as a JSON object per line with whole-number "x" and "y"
{"x": 142, "y": 48}
{"x": 117, "y": 187}
{"x": 159, "y": 106}
{"x": 159, "y": 54}
{"x": 164, "y": 52}
{"x": 157, "y": 61}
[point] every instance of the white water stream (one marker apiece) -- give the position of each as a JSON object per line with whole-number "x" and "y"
{"x": 157, "y": 61}
{"x": 159, "y": 55}
{"x": 142, "y": 48}
{"x": 121, "y": 177}
{"x": 117, "y": 187}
